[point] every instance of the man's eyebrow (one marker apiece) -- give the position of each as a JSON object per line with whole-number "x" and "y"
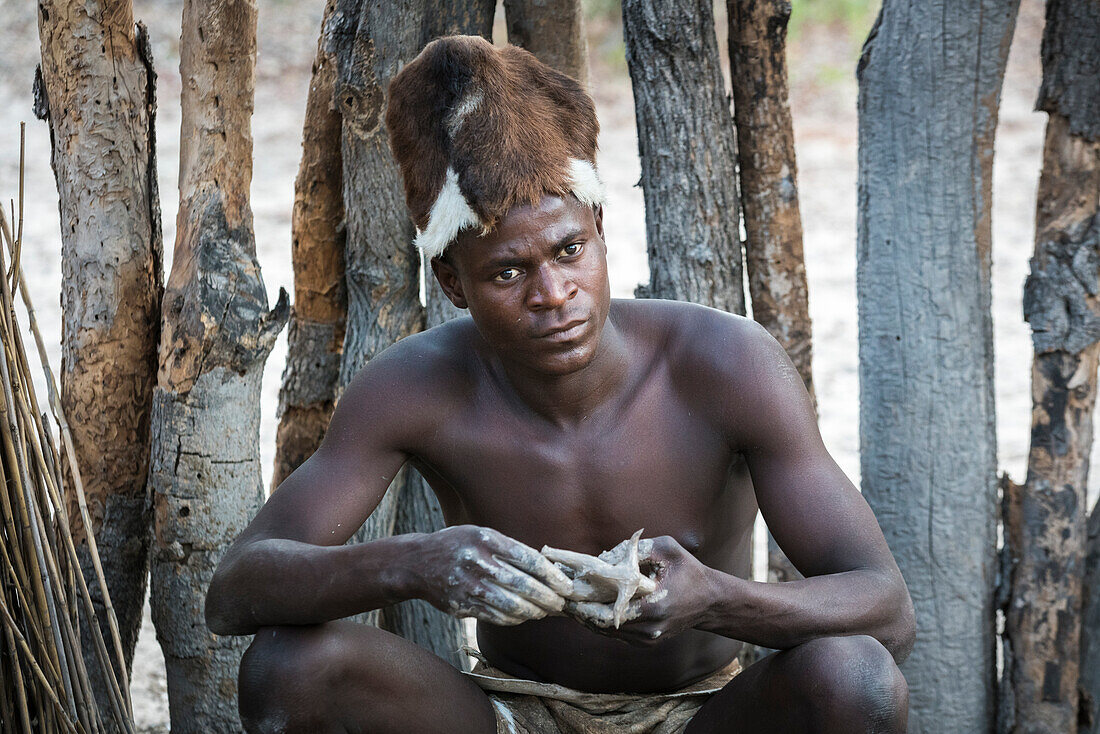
{"x": 512, "y": 260}
{"x": 572, "y": 235}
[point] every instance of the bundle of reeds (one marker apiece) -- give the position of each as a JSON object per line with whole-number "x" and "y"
{"x": 44, "y": 598}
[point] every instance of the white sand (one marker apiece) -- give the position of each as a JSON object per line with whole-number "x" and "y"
{"x": 825, "y": 122}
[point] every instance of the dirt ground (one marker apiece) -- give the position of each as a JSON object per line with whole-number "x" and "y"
{"x": 824, "y": 104}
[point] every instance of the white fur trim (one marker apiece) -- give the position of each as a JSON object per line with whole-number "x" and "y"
{"x": 450, "y": 214}
{"x": 585, "y": 183}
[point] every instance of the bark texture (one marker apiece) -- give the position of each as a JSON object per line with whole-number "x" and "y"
{"x": 96, "y": 90}
{"x": 216, "y": 334}
{"x": 769, "y": 186}
{"x": 553, "y": 30}
{"x": 929, "y": 88}
{"x": 370, "y": 42}
{"x": 1089, "y": 708}
{"x": 1052, "y": 654}
{"x": 689, "y": 164}
{"x": 688, "y": 149}
{"x": 1045, "y": 520}
{"x": 316, "y": 332}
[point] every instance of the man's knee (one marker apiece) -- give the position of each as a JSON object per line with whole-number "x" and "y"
{"x": 852, "y": 683}
{"x": 286, "y": 676}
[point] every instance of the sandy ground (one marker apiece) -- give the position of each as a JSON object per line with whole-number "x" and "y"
{"x": 823, "y": 100}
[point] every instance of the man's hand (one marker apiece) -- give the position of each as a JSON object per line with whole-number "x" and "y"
{"x": 682, "y": 598}
{"x": 472, "y": 571}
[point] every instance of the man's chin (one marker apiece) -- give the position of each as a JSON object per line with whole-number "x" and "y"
{"x": 564, "y": 362}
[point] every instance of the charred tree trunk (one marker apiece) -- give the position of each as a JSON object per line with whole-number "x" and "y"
{"x": 370, "y": 43}
{"x": 1052, "y": 667}
{"x": 553, "y": 30}
{"x": 1045, "y": 518}
{"x": 769, "y": 185}
{"x": 769, "y": 193}
{"x": 97, "y": 92}
{"x": 316, "y": 332}
{"x": 688, "y": 152}
{"x": 217, "y": 333}
{"x": 929, "y": 89}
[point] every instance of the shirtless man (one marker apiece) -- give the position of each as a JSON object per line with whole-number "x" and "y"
{"x": 556, "y": 415}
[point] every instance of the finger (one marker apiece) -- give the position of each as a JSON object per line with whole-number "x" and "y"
{"x": 509, "y": 602}
{"x": 492, "y": 615}
{"x": 529, "y": 560}
{"x": 588, "y": 590}
{"x": 484, "y": 613}
{"x": 591, "y": 613}
{"x": 524, "y": 584}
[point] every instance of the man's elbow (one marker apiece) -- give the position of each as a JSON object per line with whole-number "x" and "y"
{"x": 902, "y": 633}
{"x": 221, "y": 608}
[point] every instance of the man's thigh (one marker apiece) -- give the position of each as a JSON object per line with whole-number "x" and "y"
{"x": 831, "y": 684}
{"x": 347, "y": 677}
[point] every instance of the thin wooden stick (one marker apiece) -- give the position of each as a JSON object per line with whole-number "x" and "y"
{"x": 74, "y": 470}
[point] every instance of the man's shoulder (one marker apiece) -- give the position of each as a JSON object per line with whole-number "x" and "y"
{"x": 697, "y": 337}
{"x": 420, "y": 370}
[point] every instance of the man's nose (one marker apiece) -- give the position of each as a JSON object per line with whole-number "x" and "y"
{"x": 550, "y": 288}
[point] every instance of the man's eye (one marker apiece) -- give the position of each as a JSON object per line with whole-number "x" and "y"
{"x": 507, "y": 274}
{"x": 572, "y": 249}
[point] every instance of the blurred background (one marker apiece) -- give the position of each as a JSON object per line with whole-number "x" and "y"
{"x": 824, "y": 42}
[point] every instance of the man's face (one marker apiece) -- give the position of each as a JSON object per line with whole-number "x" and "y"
{"x": 536, "y": 286}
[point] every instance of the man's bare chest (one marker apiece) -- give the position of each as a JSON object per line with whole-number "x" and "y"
{"x": 654, "y": 464}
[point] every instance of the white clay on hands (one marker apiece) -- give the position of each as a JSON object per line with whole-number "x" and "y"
{"x": 499, "y": 580}
{"x": 613, "y": 577}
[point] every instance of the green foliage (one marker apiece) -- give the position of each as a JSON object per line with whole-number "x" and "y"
{"x": 852, "y": 16}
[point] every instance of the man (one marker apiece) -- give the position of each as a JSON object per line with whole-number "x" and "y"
{"x": 556, "y": 416}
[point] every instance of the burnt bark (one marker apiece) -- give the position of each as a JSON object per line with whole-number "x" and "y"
{"x": 217, "y": 331}
{"x": 316, "y": 331}
{"x": 553, "y": 30}
{"x": 96, "y": 90}
{"x": 1045, "y": 530}
{"x": 370, "y": 42}
{"x": 929, "y": 88}
{"x": 769, "y": 176}
{"x": 686, "y": 142}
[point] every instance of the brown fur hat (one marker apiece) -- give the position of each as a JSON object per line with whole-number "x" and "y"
{"x": 478, "y": 129}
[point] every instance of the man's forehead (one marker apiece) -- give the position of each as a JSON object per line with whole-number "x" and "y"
{"x": 525, "y": 225}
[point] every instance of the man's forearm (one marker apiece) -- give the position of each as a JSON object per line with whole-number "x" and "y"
{"x": 783, "y": 615}
{"x": 276, "y": 581}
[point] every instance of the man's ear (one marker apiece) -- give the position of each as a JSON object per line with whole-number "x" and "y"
{"x": 597, "y": 212}
{"x": 447, "y": 276}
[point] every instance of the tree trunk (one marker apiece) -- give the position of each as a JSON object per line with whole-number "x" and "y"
{"x": 97, "y": 92}
{"x": 769, "y": 186}
{"x": 316, "y": 332}
{"x": 1052, "y": 658}
{"x": 553, "y": 30}
{"x": 217, "y": 332}
{"x": 929, "y": 89}
{"x": 370, "y": 43}
{"x": 1045, "y": 522}
{"x": 769, "y": 193}
{"x": 686, "y": 142}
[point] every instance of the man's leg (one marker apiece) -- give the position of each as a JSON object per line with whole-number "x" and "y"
{"x": 832, "y": 684}
{"x": 348, "y": 677}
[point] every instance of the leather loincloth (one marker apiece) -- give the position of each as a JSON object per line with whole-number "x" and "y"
{"x": 529, "y": 707}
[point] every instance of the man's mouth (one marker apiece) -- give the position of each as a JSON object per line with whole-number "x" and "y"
{"x": 565, "y": 332}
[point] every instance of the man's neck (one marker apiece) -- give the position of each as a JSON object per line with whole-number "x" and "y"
{"x": 567, "y": 400}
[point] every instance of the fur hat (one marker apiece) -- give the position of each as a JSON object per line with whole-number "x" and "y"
{"x": 478, "y": 129}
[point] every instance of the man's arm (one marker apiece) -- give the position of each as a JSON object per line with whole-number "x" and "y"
{"x": 290, "y": 565}
{"x": 820, "y": 520}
